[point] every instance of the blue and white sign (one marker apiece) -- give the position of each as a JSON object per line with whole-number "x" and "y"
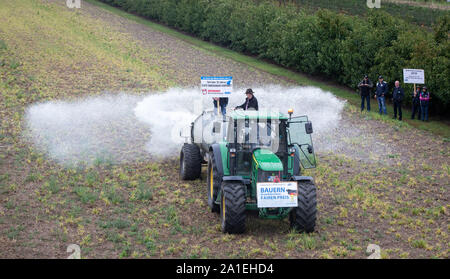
{"x": 217, "y": 86}
{"x": 282, "y": 194}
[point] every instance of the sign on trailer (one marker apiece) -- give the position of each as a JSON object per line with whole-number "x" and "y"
{"x": 217, "y": 86}
{"x": 282, "y": 194}
{"x": 414, "y": 76}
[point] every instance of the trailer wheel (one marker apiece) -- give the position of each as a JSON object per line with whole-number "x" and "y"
{"x": 303, "y": 217}
{"x": 213, "y": 183}
{"x": 190, "y": 162}
{"x": 232, "y": 207}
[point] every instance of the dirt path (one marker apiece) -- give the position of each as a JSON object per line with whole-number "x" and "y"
{"x": 378, "y": 182}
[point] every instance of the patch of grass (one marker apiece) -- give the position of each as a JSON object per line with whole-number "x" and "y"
{"x": 419, "y": 243}
{"x": 142, "y": 193}
{"x": 85, "y": 194}
{"x": 3, "y": 45}
{"x": 53, "y": 185}
{"x": 13, "y": 232}
{"x": 14, "y": 64}
{"x": 117, "y": 223}
{"x": 33, "y": 177}
{"x": 112, "y": 195}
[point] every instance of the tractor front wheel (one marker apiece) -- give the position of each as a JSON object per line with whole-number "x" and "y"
{"x": 213, "y": 183}
{"x": 232, "y": 207}
{"x": 303, "y": 217}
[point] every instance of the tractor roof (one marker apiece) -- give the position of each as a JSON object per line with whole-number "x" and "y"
{"x": 252, "y": 114}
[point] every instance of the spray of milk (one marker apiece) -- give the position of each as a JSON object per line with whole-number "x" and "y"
{"x": 168, "y": 113}
{"x": 122, "y": 128}
{"x": 92, "y": 130}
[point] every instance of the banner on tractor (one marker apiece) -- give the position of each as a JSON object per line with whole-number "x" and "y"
{"x": 414, "y": 76}
{"x": 217, "y": 86}
{"x": 282, "y": 194}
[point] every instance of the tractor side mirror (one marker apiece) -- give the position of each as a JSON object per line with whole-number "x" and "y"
{"x": 308, "y": 128}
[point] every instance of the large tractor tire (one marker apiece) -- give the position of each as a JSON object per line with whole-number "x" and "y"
{"x": 213, "y": 182}
{"x": 303, "y": 217}
{"x": 190, "y": 162}
{"x": 232, "y": 207}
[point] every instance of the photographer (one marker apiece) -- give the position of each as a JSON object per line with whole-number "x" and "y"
{"x": 364, "y": 90}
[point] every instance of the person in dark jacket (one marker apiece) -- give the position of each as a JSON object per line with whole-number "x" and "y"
{"x": 364, "y": 89}
{"x": 251, "y": 103}
{"x": 397, "y": 98}
{"x": 223, "y": 102}
{"x": 380, "y": 94}
{"x": 424, "y": 103}
{"x": 416, "y": 103}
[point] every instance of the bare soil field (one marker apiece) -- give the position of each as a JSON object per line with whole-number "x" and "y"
{"x": 379, "y": 181}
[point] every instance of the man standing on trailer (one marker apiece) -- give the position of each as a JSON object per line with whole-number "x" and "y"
{"x": 251, "y": 103}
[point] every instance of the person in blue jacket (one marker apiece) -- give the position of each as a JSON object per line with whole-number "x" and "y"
{"x": 380, "y": 94}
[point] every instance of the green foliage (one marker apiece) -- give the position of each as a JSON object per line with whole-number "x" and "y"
{"x": 421, "y": 16}
{"x": 85, "y": 194}
{"x": 3, "y": 45}
{"x": 327, "y": 43}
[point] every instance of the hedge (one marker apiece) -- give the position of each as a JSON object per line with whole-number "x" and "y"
{"x": 337, "y": 46}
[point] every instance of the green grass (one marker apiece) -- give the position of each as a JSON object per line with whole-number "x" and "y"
{"x": 441, "y": 128}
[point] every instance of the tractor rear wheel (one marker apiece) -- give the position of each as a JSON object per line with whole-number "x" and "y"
{"x": 303, "y": 217}
{"x": 232, "y": 207}
{"x": 190, "y": 162}
{"x": 213, "y": 183}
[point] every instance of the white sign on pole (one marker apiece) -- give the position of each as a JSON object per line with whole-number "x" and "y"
{"x": 414, "y": 76}
{"x": 217, "y": 86}
{"x": 282, "y": 194}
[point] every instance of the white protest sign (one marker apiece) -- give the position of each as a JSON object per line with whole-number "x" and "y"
{"x": 217, "y": 86}
{"x": 414, "y": 76}
{"x": 283, "y": 194}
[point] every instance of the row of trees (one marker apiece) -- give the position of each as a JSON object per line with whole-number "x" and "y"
{"x": 326, "y": 43}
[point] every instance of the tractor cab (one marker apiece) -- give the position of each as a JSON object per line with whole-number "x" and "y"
{"x": 256, "y": 156}
{"x": 272, "y": 140}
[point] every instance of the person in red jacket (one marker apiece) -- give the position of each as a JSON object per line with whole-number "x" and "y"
{"x": 424, "y": 103}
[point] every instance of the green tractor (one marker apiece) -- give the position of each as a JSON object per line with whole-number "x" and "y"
{"x": 255, "y": 160}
